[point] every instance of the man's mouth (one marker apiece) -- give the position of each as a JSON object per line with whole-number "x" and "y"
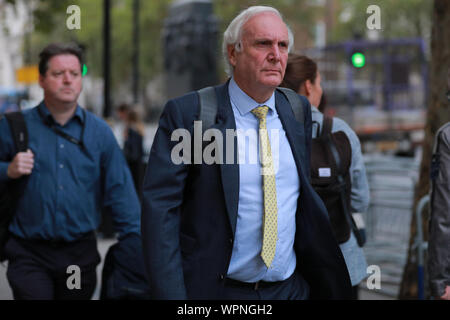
{"x": 272, "y": 70}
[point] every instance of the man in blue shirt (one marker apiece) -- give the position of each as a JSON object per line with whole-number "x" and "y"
{"x": 74, "y": 167}
{"x": 247, "y": 229}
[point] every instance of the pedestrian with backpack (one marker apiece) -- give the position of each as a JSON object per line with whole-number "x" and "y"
{"x": 337, "y": 169}
{"x": 73, "y": 168}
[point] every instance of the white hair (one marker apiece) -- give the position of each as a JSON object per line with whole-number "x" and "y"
{"x": 233, "y": 34}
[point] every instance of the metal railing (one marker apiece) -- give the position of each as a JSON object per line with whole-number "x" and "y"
{"x": 392, "y": 181}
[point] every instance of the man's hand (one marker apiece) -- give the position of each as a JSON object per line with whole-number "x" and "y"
{"x": 446, "y": 295}
{"x": 22, "y": 164}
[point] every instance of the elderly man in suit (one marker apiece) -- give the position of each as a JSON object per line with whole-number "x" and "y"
{"x": 241, "y": 229}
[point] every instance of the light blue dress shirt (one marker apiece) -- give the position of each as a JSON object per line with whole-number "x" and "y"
{"x": 359, "y": 198}
{"x": 246, "y": 263}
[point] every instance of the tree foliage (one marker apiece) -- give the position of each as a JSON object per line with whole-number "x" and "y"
{"x": 50, "y": 18}
{"x": 50, "y": 25}
{"x": 401, "y": 18}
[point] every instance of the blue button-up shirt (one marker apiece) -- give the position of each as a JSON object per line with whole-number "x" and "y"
{"x": 246, "y": 263}
{"x": 69, "y": 185}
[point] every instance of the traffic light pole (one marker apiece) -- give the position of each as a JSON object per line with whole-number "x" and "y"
{"x": 106, "y": 58}
{"x": 135, "y": 50}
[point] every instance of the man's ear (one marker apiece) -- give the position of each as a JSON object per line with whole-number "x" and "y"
{"x": 231, "y": 50}
{"x": 41, "y": 80}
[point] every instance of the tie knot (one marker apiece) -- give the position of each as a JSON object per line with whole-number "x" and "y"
{"x": 260, "y": 112}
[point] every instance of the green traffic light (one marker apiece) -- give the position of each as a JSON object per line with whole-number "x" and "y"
{"x": 84, "y": 70}
{"x": 358, "y": 60}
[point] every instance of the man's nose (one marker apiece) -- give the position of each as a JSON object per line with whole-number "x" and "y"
{"x": 275, "y": 53}
{"x": 67, "y": 77}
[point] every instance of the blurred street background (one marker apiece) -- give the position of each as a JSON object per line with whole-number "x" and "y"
{"x": 383, "y": 67}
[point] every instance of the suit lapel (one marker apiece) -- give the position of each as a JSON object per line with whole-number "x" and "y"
{"x": 295, "y": 131}
{"x": 229, "y": 172}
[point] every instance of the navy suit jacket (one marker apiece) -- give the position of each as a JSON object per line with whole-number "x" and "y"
{"x": 189, "y": 211}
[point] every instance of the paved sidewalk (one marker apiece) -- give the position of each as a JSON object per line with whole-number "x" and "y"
{"x": 104, "y": 244}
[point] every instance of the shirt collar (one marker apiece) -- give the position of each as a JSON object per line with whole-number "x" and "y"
{"x": 79, "y": 114}
{"x": 314, "y": 109}
{"x": 243, "y": 102}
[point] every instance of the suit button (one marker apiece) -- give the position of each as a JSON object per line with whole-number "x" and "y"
{"x": 231, "y": 240}
{"x": 221, "y": 276}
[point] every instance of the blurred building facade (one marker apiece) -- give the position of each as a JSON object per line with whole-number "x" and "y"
{"x": 14, "y": 23}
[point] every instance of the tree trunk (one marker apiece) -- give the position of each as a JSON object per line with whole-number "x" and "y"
{"x": 438, "y": 114}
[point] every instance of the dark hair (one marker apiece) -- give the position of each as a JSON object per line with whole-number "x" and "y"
{"x": 323, "y": 103}
{"x": 124, "y": 107}
{"x": 133, "y": 116}
{"x": 299, "y": 69}
{"x": 56, "y": 49}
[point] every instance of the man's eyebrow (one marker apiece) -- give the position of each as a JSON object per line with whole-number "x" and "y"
{"x": 265, "y": 40}
{"x": 262, "y": 39}
{"x": 270, "y": 39}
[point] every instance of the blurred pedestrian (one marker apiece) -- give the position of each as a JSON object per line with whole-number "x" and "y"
{"x": 74, "y": 167}
{"x": 239, "y": 230}
{"x": 133, "y": 135}
{"x": 303, "y": 76}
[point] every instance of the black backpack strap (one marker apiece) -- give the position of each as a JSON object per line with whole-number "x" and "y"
{"x": 317, "y": 125}
{"x": 295, "y": 102}
{"x": 326, "y": 135}
{"x": 208, "y": 106}
{"x": 18, "y": 130}
{"x": 327, "y": 124}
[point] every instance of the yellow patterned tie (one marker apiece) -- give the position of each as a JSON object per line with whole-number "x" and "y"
{"x": 270, "y": 225}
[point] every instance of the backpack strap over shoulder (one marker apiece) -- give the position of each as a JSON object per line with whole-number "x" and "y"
{"x": 18, "y": 130}
{"x": 327, "y": 124}
{"x": 208, "y": 106}
{"x": 295, "y": 102}
{"x": 327, "y": 138}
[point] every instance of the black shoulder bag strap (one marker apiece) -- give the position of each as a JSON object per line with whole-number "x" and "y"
{"x": 19, "y": 131}
{"x": 19, "y": 134}
{"x": 326, "y": 136}
{"x": 66, "y": 136}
